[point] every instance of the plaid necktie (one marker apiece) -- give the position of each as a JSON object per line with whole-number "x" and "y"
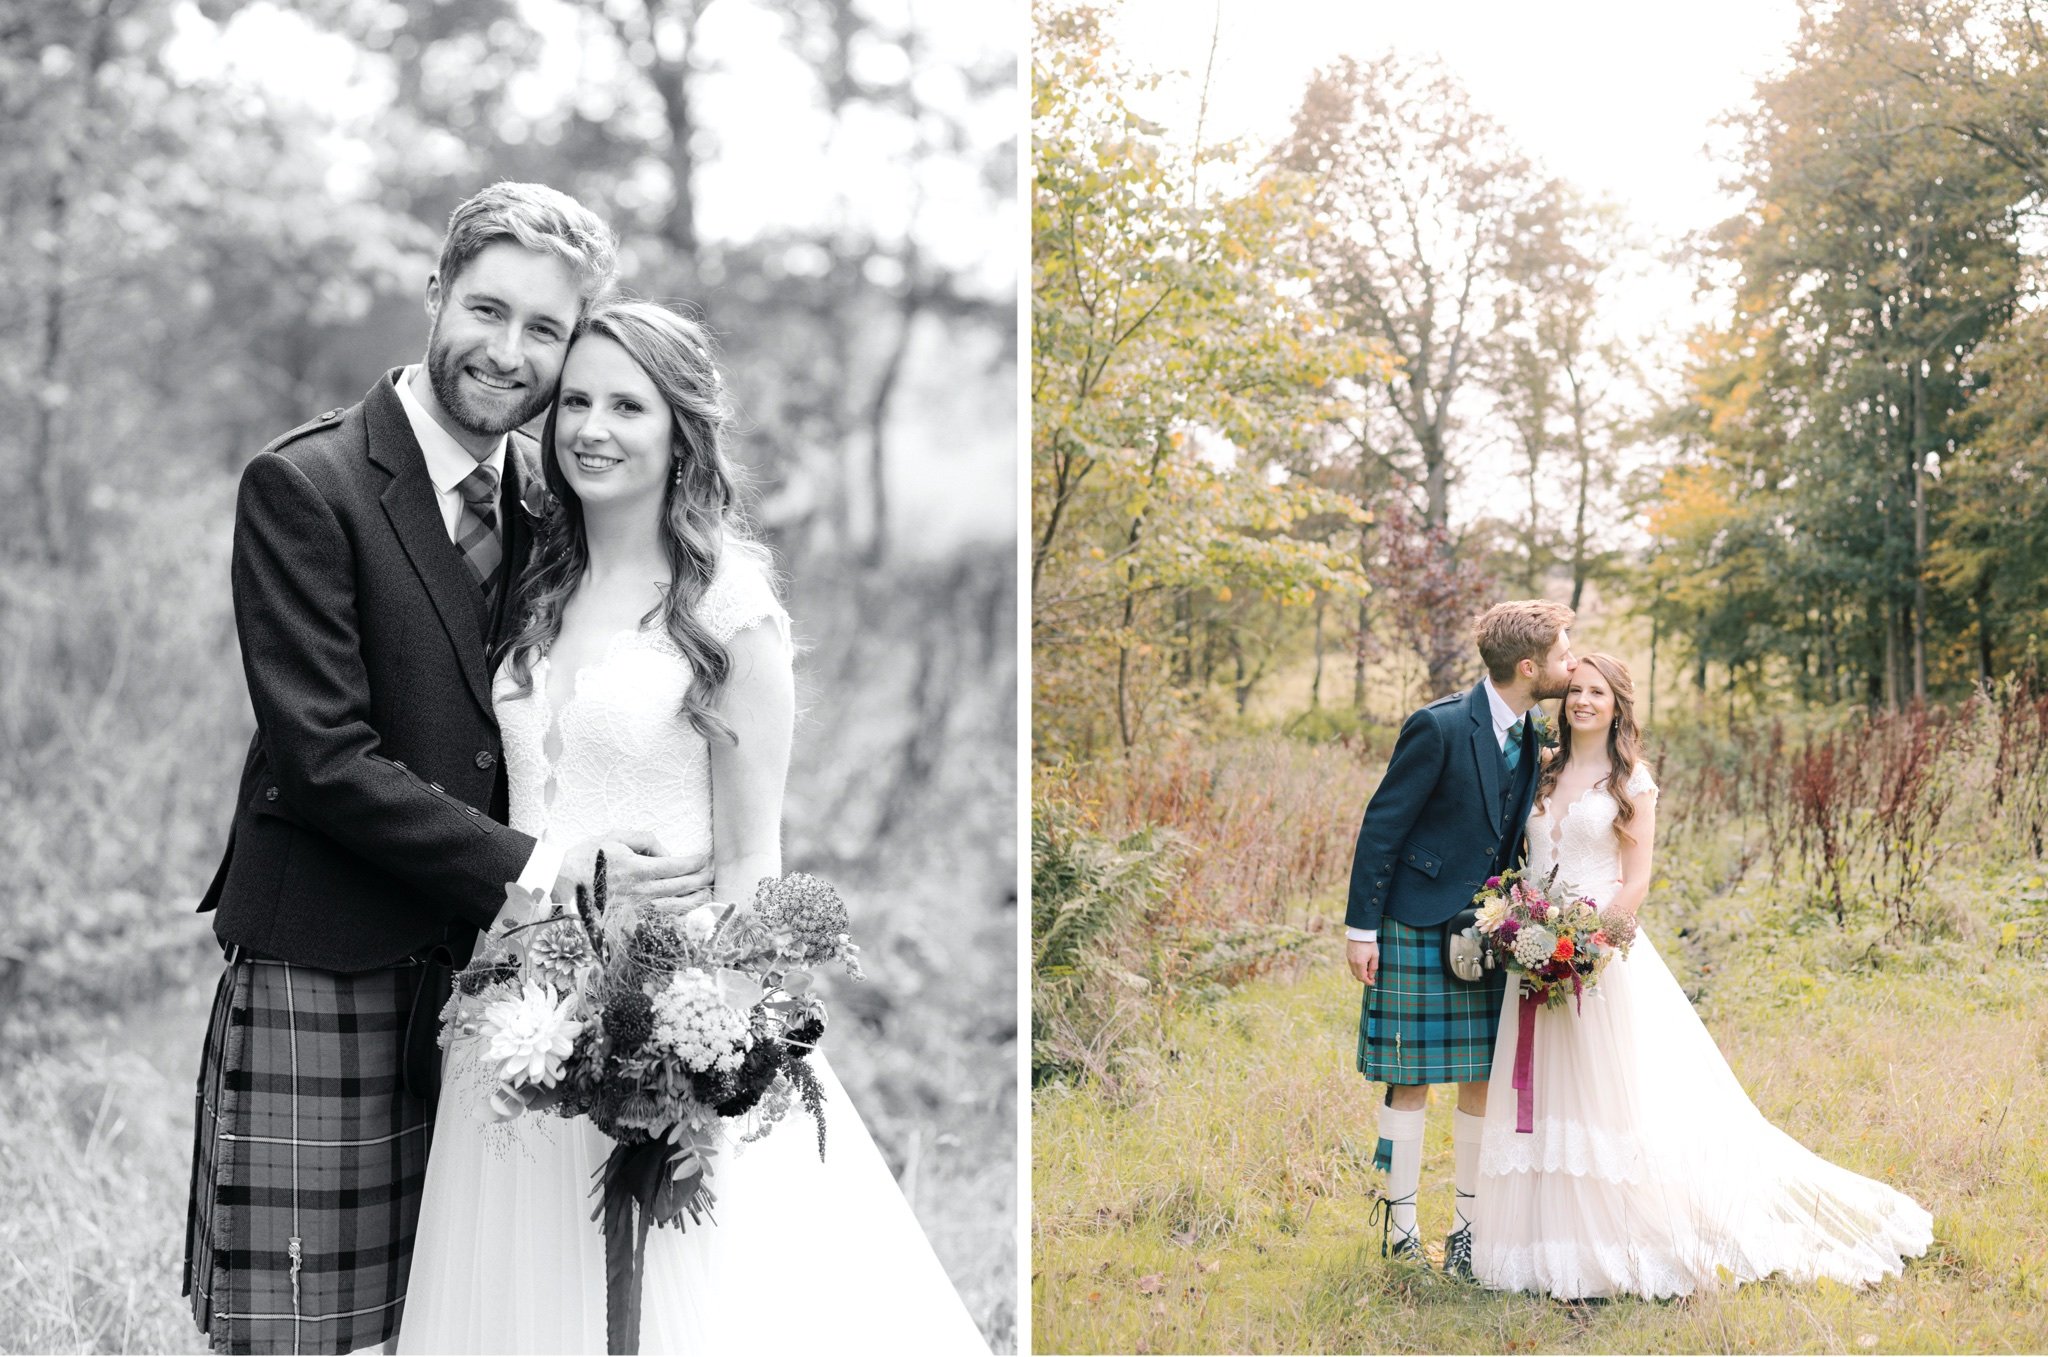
{"x": 476, "y": 527}
{"x": 1511, "y": 752}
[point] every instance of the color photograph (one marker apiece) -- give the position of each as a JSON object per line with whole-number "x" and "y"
{"x": 1539, "y": 745}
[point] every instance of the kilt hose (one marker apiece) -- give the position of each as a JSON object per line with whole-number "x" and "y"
{"x": 1417, "y": 1025}
{"x": 308, "y": 1159}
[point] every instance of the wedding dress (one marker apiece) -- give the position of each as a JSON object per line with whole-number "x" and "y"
{"x": 1648, "y": 1170}
{"x": 804, "y": 1255}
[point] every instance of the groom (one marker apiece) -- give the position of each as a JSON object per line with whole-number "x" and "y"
{"x": 375, "y": 552}
{"x": 1448, "y": 814}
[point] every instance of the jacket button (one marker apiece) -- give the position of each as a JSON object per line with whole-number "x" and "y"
{"x": 396, "y": 764}
{"x": 472, "y": 810}
{"x": 437, "y": 786}
{"x": 270, "y": 795}
{"x": 486, "y": 759}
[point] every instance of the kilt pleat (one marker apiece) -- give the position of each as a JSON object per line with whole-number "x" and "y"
{"x": 1419, "y": 1026}
{"x": 308, "y": 1160}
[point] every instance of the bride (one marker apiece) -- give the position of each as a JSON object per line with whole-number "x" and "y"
{"x": 649, "y": 687}
{"x": 1648, "y": 1172}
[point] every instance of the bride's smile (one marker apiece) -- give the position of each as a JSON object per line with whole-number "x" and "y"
{"x": 1588, "y": 705}
{"x": 614, "y": 430}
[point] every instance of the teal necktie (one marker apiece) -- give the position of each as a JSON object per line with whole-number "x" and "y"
{"x": 1511, "y": 752}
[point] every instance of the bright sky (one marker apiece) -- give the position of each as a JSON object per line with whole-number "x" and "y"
{"x": 1621, "y": 97}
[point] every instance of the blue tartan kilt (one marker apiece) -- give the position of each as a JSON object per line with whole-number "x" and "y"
{"x": 308, "y": 1160}
{"x": 1419, "y": 1026}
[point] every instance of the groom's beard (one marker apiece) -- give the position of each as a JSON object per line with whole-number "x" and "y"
{"x": 485, "y": 420}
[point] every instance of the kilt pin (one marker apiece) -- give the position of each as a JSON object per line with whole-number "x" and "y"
{"x": 367, "y": 840}
{"x": 1447, "y": 814}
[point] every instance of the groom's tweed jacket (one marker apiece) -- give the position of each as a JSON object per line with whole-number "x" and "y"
{"x": 1446, "y": 815}
{"x": 368, "y": 824}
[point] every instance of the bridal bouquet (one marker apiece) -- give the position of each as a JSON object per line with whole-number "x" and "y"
{"x": 661, "y": 1026}
{"x": 1556, "y": 940}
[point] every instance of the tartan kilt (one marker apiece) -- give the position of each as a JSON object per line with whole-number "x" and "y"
{"x": 308, "y": 1159}
{"x": 1418, "y": 1026}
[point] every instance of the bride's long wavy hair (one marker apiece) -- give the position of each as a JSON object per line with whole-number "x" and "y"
{"x": 1624, "y": 742}
{"x": 700, "y": 508}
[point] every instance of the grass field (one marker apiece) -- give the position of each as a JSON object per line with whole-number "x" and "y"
{"x": 1219, "y": 1201}
{"x": 903, "y": 793}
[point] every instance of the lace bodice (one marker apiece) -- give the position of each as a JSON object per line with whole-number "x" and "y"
{"x": 627, "y": 758}
{"x": 1580, "y": 840}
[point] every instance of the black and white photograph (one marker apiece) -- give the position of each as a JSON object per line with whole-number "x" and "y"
{"x": 509, "y": 676}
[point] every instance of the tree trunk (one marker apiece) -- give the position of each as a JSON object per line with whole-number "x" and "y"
{"x": 1983, "y": 630}
{"x": 878, "y": 416}
{"x": 1358, "y": 645}
{"x": 1315, "y": 687}
{"x": 1585, "y": 455}
{"x": 1446, "y": 665}
{"x": 46, "y": 453}
{"x": 1656, "y": 621}
{"x": 671, "y": 79}
{"x": 1919, "y": 464}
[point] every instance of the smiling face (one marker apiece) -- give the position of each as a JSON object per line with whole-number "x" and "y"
{"x": 501, "y": 327}
{"x": 614, "y": 434}
{"x": 1589, "y": 702}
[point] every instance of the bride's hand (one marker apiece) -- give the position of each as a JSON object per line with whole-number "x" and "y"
{"x": 637, "y": 870}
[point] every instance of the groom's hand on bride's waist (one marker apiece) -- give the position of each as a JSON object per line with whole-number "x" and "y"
{"x": 637, "y": 871}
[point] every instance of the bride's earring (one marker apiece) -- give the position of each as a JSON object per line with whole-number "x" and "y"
{"x": 676, "y": 475}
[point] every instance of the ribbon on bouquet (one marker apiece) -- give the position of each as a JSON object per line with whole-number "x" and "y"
{"x": 1525, "y": 1058}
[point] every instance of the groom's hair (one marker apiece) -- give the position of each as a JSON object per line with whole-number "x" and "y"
{"x": 541, "y": 219}
{"x": 1526, "y": 629}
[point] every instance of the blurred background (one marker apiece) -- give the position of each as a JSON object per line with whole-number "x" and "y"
{"x": 219, "y": 220}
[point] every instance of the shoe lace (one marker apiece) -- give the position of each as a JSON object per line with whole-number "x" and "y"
{"x": 1458, "y": 1248}
{"x": 1383, "y": 1215}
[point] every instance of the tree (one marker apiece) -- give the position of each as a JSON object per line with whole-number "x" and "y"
{"x": 1172, "y": 363}
{"x": 1418, "y": 196}
{"x": 1877, "y": 251}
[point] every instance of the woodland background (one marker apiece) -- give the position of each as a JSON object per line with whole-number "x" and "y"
{"x": 1818, "y": 535}
{"x": 203, "y": 252}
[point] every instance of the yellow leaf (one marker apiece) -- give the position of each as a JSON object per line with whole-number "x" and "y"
{"x": 2008, "y": 935}
{"x": 1223, "y": 593}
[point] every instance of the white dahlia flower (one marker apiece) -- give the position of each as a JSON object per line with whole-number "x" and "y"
{"x": 530, "y": 1036}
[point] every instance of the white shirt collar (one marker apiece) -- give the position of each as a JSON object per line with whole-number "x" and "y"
{"x": 448, "y": 462}
{"x": 1503, "y": 715}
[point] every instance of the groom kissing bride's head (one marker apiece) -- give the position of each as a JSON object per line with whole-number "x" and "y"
{"x": 1527, "y": 648}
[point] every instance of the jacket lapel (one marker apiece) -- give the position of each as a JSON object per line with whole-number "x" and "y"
{"x": 1486, "y": 752}
{"x": 415, "y": 514}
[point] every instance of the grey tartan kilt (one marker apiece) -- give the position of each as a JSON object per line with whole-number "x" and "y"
{"x": 307, "y": 1160}
{"x": 1419, "y": 1026}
